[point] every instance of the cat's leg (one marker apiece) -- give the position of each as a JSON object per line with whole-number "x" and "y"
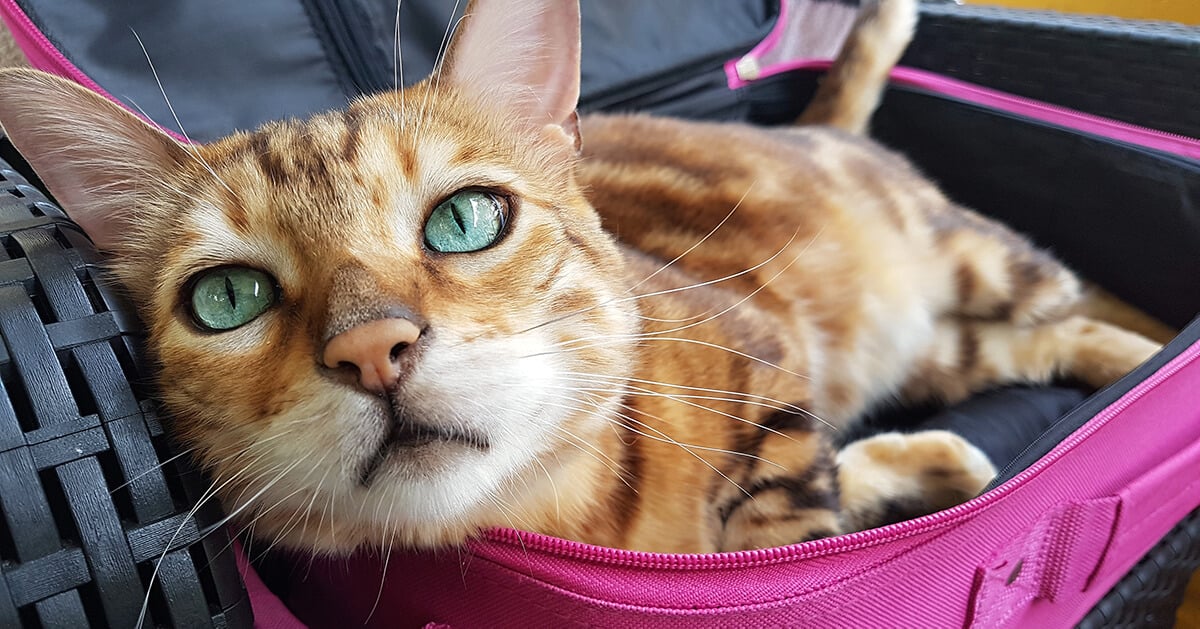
{"x": 786, "y": 494}
{"x": 990, "y": 272}
{"x": 893, "y": 477}
{"x": 1005, "y": 317}
{"x": 968, "y": 356}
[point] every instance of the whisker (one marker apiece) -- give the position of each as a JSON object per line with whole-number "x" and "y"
{"x": 205, "y": 496}
{"x": 439, "y": 61}
{"x": 619, "y": 300}
{"x": 292, "y": 521}
{"x": 398, "y": 59}
{"x": 769, "y": 404}
{"x": 151, "y": 469}
{"x": 190, "y": 147}
{"x": 597, "y": 412}
{"x": 619, "y": 471}
{"x": 698, "y": 242}
{"x": 769, "y": 401}
{"x": 667, "y": 439}
{"x": 387, "y": 556}
{"x": 623, "y": 339}
{"x": 553, "y": 487}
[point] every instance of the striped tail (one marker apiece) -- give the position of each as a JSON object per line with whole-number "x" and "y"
{"x": 851, "y": 91}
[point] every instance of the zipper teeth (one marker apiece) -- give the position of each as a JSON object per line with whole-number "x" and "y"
{"x": 64, "y": 67}
{"x": 851, "y": 541}
{"x": 625, "y": 94}
{"x": 619, "y": 95}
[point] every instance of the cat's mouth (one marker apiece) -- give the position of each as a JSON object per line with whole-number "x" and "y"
{"x": 409, "y": 435}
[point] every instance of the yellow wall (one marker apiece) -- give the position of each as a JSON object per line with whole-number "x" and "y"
{"x": 1186, "y": 11}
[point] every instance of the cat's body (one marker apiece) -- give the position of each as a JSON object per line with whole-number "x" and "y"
{"x": 635, "y": 346}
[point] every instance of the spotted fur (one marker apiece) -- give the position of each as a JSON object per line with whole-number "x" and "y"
{"x": 653, "y": 356}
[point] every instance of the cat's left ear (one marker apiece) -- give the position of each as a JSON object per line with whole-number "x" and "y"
{"x": 100, "y": 162}
{"x": 524, "y": 54}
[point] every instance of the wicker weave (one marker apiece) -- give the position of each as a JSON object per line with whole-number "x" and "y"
{"x": 1151, "y": 593}
{"x": 88, "y": 506}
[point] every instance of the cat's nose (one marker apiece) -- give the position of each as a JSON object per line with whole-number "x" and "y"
{"x": 374, "y": 349}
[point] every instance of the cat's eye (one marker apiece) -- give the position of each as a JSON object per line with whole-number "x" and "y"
{"x": 469, "y": 220}
{"x": 230, "y": 297}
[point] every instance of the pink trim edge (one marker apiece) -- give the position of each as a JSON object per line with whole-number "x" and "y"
{"x": 44, "y": 56}
{"x": 1061, "y": 116}
{"x": 772, "y": 38}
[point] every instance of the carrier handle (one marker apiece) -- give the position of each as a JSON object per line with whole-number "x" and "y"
{"x": 1080, "y": 545}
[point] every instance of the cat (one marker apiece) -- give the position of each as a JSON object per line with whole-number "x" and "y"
{"x": 458, "y": 305}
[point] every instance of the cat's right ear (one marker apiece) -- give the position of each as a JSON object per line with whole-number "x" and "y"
{"x": 524, "y": 55}
{"x": 94, "y": 157}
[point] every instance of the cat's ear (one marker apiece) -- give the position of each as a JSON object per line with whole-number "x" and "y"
{"x": 525, "y": 54}
{"x": 94, "y": 156}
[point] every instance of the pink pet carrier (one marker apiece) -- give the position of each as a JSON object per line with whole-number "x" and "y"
{"x": 1093, "y": 521}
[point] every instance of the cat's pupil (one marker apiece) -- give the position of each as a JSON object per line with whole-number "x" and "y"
{"x": 457, "y": 213}
{"x": 230, "y": 297}
{"x": 230, "y": 292}
{"x": 469, "y": 220}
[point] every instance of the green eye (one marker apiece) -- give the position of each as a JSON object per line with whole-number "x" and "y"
{"x": 230, "y": 297}
{"x": 468, "y": 221}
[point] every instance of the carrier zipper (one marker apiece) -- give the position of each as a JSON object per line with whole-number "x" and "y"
{"x": 743, "y": 71}
{"x": 1044, "y": 111}
{"x": 925, "y": 524}
{"x": 345, "y": 33}
{"x": 43, "y": 55}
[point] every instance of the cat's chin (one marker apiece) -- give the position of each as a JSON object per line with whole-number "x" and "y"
{"x": 415, "y": 443}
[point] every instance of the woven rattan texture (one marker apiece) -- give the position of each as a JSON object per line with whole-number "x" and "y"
{"x": 88, "y": 505}
{"x": 1144, "y": 73}
{"x": 1151, "y": 593}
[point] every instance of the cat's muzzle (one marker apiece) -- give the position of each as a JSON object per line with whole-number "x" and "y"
{"x": 406, "y": 436}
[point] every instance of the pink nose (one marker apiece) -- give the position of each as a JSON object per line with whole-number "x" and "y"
{"x": 374, "y": 348}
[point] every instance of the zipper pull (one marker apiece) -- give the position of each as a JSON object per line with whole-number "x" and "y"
{"x": 747, "y": 68}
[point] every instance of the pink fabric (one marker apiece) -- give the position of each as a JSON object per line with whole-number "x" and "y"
{"x": 269, "y": 611}
{"x": 794, "y": 44}
{"x": 1075, "y": 522}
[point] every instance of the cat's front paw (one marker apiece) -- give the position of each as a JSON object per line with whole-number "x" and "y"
{"x": 894, "y": 476}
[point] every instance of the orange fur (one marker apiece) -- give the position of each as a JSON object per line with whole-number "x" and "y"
{"x": 647, "y": 358}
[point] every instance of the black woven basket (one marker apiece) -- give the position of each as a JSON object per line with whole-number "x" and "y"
{"x": 96, "y": 509}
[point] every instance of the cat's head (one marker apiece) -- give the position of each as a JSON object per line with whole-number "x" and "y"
{"x": 370, "y": 326}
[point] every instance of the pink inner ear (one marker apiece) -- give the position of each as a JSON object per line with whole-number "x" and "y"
{"x": 94, "y": 156}
{"x": 526, "y": 54}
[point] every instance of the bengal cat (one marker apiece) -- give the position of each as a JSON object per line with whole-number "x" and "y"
{"x": 458, "y": 306}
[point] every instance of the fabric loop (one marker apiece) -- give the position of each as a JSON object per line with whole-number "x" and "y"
{"x": 1055, "y": 556}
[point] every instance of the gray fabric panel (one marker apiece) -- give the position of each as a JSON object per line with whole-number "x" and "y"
{"x": 224, "y": 65}
{"x": 626, "y": 39}
{"x": 230, "y": 64}
{"x": 423, "y": 25}
{"x": 623, "y": 40}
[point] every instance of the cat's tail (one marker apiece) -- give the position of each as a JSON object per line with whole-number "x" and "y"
{"x": 851, "y": 91}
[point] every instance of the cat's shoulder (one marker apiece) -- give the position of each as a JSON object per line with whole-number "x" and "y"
{"x": 629, "y": 135}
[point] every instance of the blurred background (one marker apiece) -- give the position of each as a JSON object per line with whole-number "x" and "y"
{"x": 1185, "y": 11}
